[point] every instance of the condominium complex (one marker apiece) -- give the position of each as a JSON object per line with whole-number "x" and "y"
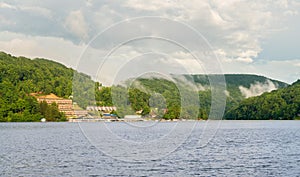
{"x": 64, "y": 105}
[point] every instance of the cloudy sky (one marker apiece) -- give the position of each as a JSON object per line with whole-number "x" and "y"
{"x": 125, "y": 38}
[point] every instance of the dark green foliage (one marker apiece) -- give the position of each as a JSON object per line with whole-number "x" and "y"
{"x": 20, "y": 76}
{"x": 16, "y": 105}
{"x": 247, "y": 79}
{"x": 120, "y": 99}
{"x": 170, "y": 100}
{"x": 280, "y": 104}
{"x": 205, "y": 104}
{"x": 84, "y": 89}
{"x": 234, "y": 80}
{"x": 103, "y": 96}
{"x": 38, "y": 75}
{"x": 168, "y": 91}
{"x": 139, "y": 100}
{"x": 51, "y": 112}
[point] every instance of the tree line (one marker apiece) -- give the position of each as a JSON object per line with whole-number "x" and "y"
{"x": 281, "y": 104}
{"x": 20, "y": 76}
{"x": 162, "y": 98}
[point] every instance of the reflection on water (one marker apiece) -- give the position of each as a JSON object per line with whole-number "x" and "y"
{"x": 239, "y": 148}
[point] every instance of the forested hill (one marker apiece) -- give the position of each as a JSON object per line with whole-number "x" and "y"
{"x": 238, "y": 86}
{"x": 37, "y": 75}
{"x": 236, "y": 80}
{"x": 20, "y": 76}
{"x": 279, "y": 104}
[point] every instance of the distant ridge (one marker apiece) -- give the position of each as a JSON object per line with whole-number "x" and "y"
{"x": 20, "y": 76}
{"x": 280, "y": 104}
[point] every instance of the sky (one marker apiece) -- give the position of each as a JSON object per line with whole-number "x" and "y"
{"x": 115, "y": 40}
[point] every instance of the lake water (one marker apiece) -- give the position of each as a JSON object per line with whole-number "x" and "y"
{"x": 231, "y": 148}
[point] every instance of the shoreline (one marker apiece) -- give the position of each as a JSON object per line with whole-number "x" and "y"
{"x": 148, "y": 120}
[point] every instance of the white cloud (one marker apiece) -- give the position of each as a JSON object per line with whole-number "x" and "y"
{"x": 38, "y": 10}
{"x": 47, "y": 47}
{"x": 89, "y": 3}
{"x": 290, "y": 13}
{"x": 8, "y": 6}
{"x": 235, "y": 29}
{"x": 31, "y": 9}
{"x": 257, "y": 89}
{"x": 245, "y": 60}
{"x": 5, "y": 21}
{"x": 283, "y": 70}
{"x": 151, "y": 5}
{"x": 189, "y": 83}
{"x": 105, "y": 17}
{"x": 297, "y": 64}
{"x": 75, "y": 22}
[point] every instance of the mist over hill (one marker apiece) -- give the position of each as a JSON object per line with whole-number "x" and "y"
{"x": 157, "y": 97}
{"x": 191, "y": 90}
{"x": 280, "y": 104}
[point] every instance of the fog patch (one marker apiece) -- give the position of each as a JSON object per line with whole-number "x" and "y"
{"x": 257, "y": 89}
{"x": 227, "y": 93}
{"x": 189, "y": 83}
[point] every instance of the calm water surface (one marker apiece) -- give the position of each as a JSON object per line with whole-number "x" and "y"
{"x": 239, "y": 148}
